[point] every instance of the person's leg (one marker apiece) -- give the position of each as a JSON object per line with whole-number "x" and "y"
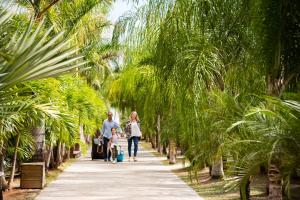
{"x": 129, "y": 146}
{"x": 105, "y": 144}
{"x": 114, "y": 153}
{"x": 109, "y": 154}
{"x": 136, "y": 143}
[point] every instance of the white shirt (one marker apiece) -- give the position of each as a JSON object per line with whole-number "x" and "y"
{"x": 114, "y": 140}
{"x": 135, "y": 130}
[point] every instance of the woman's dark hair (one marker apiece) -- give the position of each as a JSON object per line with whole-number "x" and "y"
{"x": 113, "y": 128}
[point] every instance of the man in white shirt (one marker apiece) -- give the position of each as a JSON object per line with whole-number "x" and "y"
{"x": 108, "y": 124}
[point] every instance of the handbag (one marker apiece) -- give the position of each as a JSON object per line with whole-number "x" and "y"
{"x": 99, "y": 144}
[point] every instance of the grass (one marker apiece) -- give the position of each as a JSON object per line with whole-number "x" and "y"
{"x": 216, "y": 189}
{"x": 148, "y": 147}
{"x": 211, "y": 189}
{"x": 207, "y": 188}
{"x": 53, "y": 174}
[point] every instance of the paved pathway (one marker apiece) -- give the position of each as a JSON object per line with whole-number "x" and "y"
{"x": 146, "y": 179}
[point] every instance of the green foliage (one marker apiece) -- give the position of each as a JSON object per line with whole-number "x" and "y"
{"x": 32, "y": 50}
{"x": 211, "y": 64}
{"x": 84, "y": 21}
{"x": 269, "y": 130}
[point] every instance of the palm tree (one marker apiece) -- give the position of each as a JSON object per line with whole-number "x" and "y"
{"x": 207, "y": 58}
{"x": 80, "y": 21}
{"x": 29, "y": 56}
{"x": 279, "y": 44}
{"x": 84, "y": 21}
{"x": 267, "y": 135}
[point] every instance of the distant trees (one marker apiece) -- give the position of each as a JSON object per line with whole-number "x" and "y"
{"x": 222, "y": 76}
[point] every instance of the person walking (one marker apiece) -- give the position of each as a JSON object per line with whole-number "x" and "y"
{"x": 114, "y": 145}
{"x": 108, "y": 124}
{"x": 133, "y": 134}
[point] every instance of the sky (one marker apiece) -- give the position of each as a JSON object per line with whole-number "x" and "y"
{"x": 119, "y": 8}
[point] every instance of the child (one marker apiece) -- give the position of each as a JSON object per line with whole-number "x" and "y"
{"x": 114, "y": 145}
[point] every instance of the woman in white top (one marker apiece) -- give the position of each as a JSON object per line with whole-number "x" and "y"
{"x": 133, "y": 133}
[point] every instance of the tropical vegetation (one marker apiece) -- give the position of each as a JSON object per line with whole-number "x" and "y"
{"x": 215, "y": 80}
{"x": 51, "y": 71}
{"x": 219, "y": 81}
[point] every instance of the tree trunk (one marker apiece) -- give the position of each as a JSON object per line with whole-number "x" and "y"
{"x": 39, "y": 137}
{"x": 274, "y": 176}
{"x": 13, "y": 168}
{"x": 147, "y": 138}
{"x": 58, "y": 154}
{"x": 52, "y": 159}
{"x": 275, "y": 182}
{"x": 68, "y": 153}
{"x": 217, "y": 168}
{"x": 172, "y": 151}
{"x": 164, "y": 149}
{"x": 63, "y": 152}
{"x": 153, "y": 141}
{"x": 159, "y": 145}
{"x": 50, "y": 151}
{"x": 81, "y": 133}
{"x": 2, "y": 178}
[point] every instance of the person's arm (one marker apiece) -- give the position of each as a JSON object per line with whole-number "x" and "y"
{"x": 139, "y": 124}
{"x": 103, "y": 128}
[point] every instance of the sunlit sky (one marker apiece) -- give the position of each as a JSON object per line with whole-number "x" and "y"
{"x": 119, "y": 8}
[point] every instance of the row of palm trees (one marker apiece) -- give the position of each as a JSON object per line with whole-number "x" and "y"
{"x": 52, "y": 63}
{"x": 220, "y": 80}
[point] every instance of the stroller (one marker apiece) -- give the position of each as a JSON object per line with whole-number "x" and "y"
{"x": 97, "y": 148}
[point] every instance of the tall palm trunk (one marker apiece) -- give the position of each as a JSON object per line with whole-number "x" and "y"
{"x": 58, "y": 154}
{"x": 275, "y": 182}
{"x": 13, "y": 168}
{"x": 165, "y": 152}
{"x": 153, "y": 141}
{"x": 274, "y": 176}
{"x": 217, "y": 170}
{"x": 159, "y": 146}
{"x": 68, "y": 153}
{"x": 172, "y": 151}
{"x": 2, "y": 178}
{"x": 63, "y": 151}
{"x": 50, "y": 151}
{"x": 147, "y": 138}
{"x": 39, "y": 137}
{"x": 52, "y": 158}
{"x": 81, "y": 133}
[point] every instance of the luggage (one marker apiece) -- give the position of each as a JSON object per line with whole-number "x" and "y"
{"x": 97, "y": 149}
{"x": 120, "y": 157}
